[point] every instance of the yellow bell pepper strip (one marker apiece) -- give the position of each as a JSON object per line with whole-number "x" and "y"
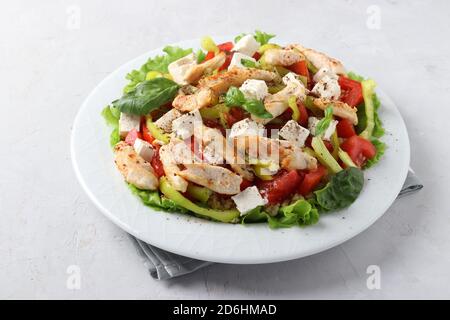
{"x": 268, "y": 46}
{"x": 179, "y": 199}
{"x": 257, "y": 169}
{"x": 208, "y": 44}
{"x": 346, "y": 158}
{"x": 292, "y": 103}
{"x": 156, "y": 132}
{"x": 199, "y": 193}
{"x": 368, "y": 89}
{"x": 324, "y": 156}
{"x": 335, "y": 144}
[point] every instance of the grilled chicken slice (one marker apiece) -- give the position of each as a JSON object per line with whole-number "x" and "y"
{"x": 197, "y": 71}
{"x": 172, "y": 155}
{"x": 213, "y": 140}
{"x": 282, "y": 57}
{"x": 165, "y": 122}
{"x": 319, "y": 59}
{"x": 279, "y": 151}
{"x": 210, "y": 88}
{"x": 277, "y": 103}
{"x": 218, "y": 179}
{"x": 134, "y": 168}
{"x": 340, "y": 109}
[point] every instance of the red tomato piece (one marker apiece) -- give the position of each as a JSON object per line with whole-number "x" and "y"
{"x": 245, "y": 184}
{"x": 300, "y": 68}
{"x": 209, "y": 56}
{"x": 146, "y": 135}
{"x": 345, "y": 129}
{"x": 311, "y": 179}
{"x": 303, "y": 120}
{"x": 281, "y": 187}
{"x": 156, "y": 163}
{"x": 351, "y": 91}
{"x": 229, "y": 56}
{"x": 226, "y": 46}
{"x": 359, "y": 149}
{"x": 214, "y": 124}
{"x": 234, "y": 115}
{"x": 256, "y": 56}
{"x": 132, "y": 136}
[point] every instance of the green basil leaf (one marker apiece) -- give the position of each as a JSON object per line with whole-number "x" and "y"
{"x": 249, "y": 63}
{"x": 257, "y": 108}
{"x": 200, "y": 56}
{"x": 234, "y": 97}
{"x": 147, "y": 96}
{"x": 262, "y": 37}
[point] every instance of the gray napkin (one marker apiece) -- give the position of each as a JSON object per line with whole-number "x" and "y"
{"x": 164, "y": 265}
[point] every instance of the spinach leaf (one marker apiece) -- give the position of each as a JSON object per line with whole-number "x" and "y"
{"x": 324, "y": 123}
{"x": 300, "y": 213}
{"x": 341, "y": 191}
{"x": 147, "y": 96}
{"x": 236, "y": 98}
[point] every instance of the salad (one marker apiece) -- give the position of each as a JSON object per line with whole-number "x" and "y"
{"x": 246, "y": 131}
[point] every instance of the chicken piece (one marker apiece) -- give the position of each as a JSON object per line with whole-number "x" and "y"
{"x": 210, "y": 88}
{"x": 264, "y": 149}
{"x": 282, "y": 57}
{"x": 171, "y": 155}
{"x": 134, "y": 168}
{"x": 216, "y": 144}
{"x": 319, "y": 59}
{"x": 218, "y": 179}
{"x": 221, "y": 82}
{"x": 165, "y": 122}
{"x": 277, "y": 103}
{"x": 197, "y": 71}
{"x": 340, "y": 109}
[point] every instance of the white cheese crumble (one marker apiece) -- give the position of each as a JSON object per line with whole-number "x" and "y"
{"x": 294, "y": 133}
{"x": 248, "y": 199}
{"x": 254, "y": 89}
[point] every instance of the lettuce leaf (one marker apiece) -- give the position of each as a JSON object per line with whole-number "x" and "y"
{"x": 262, "y": 37}
{"x": 256, "y": 215}
{"x": 158, "y": 63}
{"x": 153, "y": 199}
{"x": 299, "y": 213}
{"x": 111, "y": 115}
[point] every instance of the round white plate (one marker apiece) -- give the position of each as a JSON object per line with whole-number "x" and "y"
{"x": 219, "y": 242}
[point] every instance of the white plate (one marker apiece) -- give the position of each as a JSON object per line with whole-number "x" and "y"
{"x": 219, "y": 242}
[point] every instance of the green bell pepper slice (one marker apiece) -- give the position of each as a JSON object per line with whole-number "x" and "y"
{"x": 179, "y": 199}
{"x": 324, "y": 155}
{"x": 368, "y": 89}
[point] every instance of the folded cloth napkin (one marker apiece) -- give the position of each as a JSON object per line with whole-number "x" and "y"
{"x": 164, "y": 265}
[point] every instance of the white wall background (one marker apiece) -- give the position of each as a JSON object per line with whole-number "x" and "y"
{"x": 49, "y": 62}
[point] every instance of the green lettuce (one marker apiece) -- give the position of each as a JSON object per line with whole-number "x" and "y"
{"x": 299, "y": 213}
{"x": 158, "y": 63}
{"x": 111, "y": 115}
{"x": 262, "y": 37}
{"x": 152, "y": 198}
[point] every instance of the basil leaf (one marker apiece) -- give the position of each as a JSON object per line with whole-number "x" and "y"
{"x": 147, "y": 96}
{"x": 200, "y": 56}
{"x": 257, "y": 108}
{"x": 236, "y": 98}
{"x": 341, "y": 191}
{"x": 249, "y": 63}
{"x": 324, "y": 123}
{"x": 262, "y": 37}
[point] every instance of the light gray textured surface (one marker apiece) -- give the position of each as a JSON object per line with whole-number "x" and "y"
{"x": 48, "y": 66}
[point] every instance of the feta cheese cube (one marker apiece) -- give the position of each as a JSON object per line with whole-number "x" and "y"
{"x": 236, "y": 60}
{"x": 180, "y": 67}
{"x": 291, "y": 77}
{"x": 254, "y": 89}
{"x": 324, "y": 71}
{"x": 144, "y": 149}
{"x": 247, "y": 45}
{"x": 327, "y": 88}
{"x": 248, "y": 199}
{"x": 294, "y": 133}
{"x": 165, "y": 122}
{"x": 128, "y": 122}
{"x": 183, "y": 127}
{"x": 312, "y": 123}
{"x": 246, "y": 127}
